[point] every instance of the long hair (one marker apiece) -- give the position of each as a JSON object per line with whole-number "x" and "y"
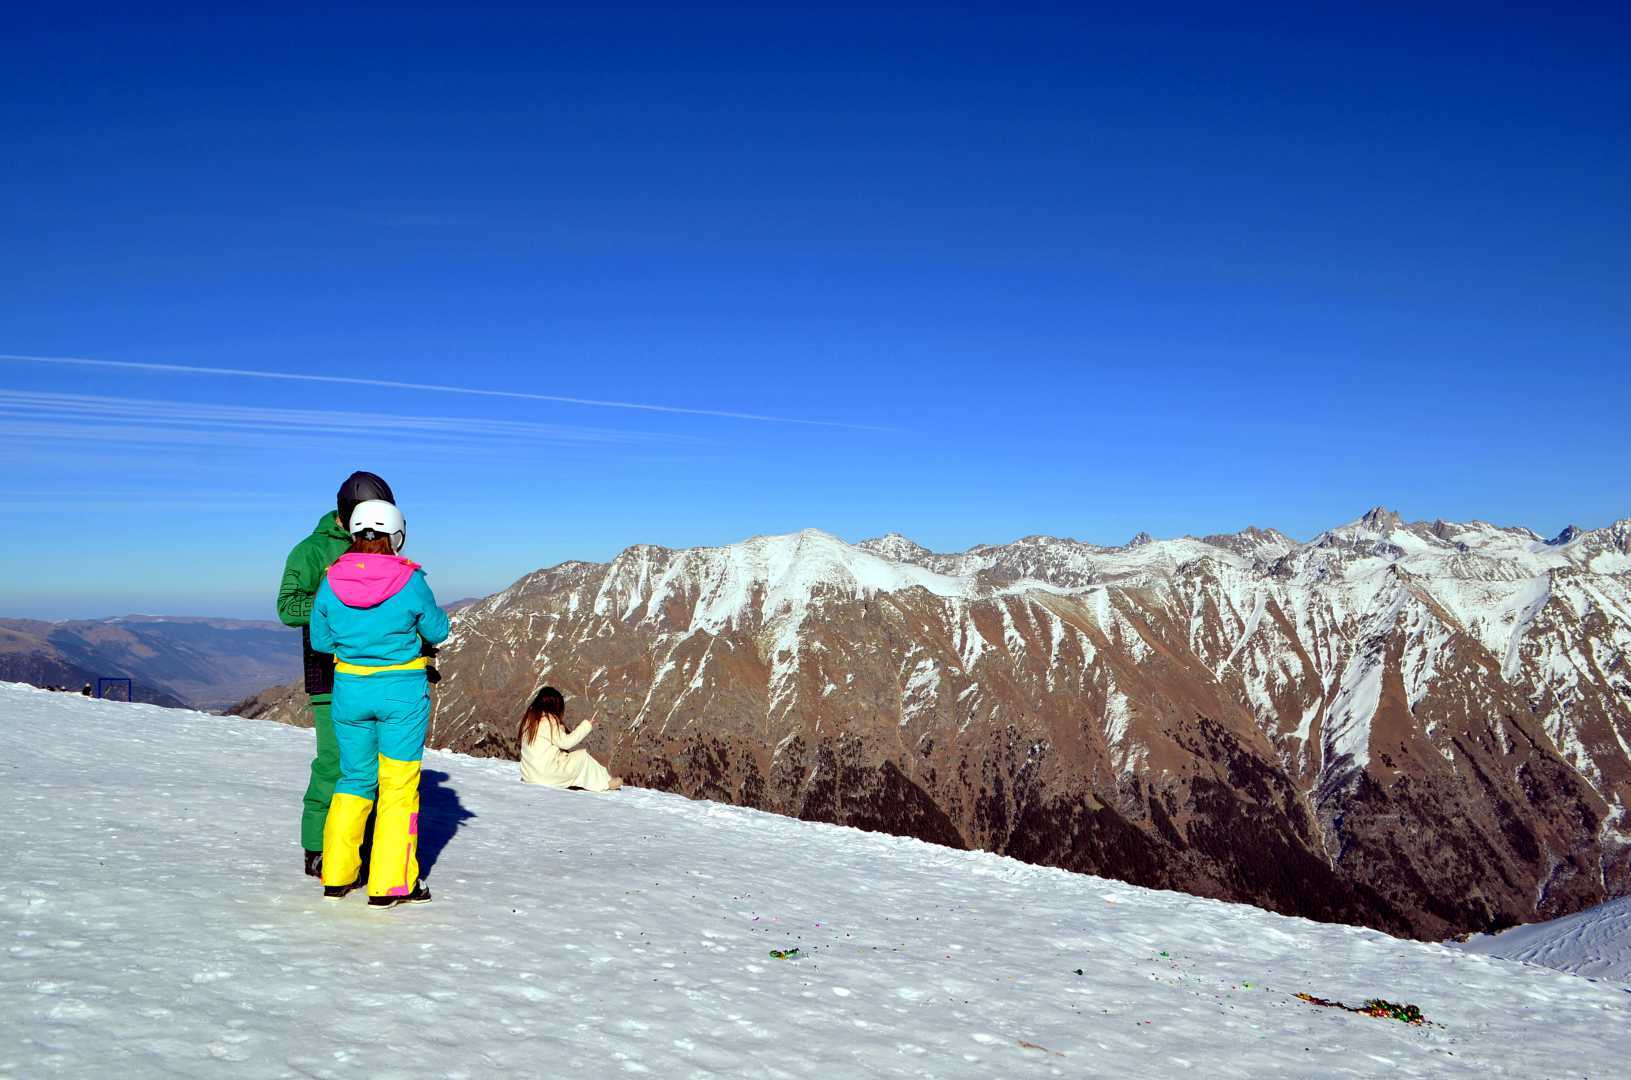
{"x": 547, "y": 700}
{"x": 361, "y": 545}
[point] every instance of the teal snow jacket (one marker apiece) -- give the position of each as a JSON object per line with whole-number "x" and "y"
{"x": 372, "y": 612}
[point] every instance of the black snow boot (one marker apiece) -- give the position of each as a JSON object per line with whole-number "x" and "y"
{"x": 338, "y": 892}
{"x": 419, "y": 895}
{"x": 314, "y": 864}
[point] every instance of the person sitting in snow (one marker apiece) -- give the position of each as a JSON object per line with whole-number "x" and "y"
{"x": 375, "y": 613}
{"x": 547, "y": 749}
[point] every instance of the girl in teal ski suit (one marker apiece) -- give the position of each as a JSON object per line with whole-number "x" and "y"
{"x": 373, "y": 611}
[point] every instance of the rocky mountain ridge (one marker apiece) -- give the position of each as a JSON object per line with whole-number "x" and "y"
{"x": 1418, "y": 726}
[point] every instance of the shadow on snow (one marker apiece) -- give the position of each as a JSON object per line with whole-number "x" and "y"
{"x": 440, "y": 816}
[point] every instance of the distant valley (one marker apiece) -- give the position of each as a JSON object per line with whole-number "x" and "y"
{"x": 197, "y": 662}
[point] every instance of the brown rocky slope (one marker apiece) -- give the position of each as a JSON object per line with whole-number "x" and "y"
{"x": 1418, "y": 727}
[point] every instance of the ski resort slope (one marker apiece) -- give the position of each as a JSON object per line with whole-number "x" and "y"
{"x": 1594, "y": 943}
{"x": 156, "y": 923}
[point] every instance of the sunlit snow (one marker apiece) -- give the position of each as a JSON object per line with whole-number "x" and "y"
{"x": 157, "y": 925}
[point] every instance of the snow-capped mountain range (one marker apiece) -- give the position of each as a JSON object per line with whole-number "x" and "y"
{"x": 1420, "y": 727}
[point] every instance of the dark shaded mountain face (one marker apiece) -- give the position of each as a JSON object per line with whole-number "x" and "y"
{"x": 202, "y": 663}
{"x": 1418, "y": 727}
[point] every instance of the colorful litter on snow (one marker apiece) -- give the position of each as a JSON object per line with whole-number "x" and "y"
{"x": 784, "y": 954}
{"x": 1381, "y": 1008}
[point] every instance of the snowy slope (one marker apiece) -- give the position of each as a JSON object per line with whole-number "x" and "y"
{"x": 1594, "y": 943}
{"x": 156, "y": 924}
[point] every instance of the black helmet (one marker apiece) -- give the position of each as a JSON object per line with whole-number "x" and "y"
{"x": 360, "y": 487}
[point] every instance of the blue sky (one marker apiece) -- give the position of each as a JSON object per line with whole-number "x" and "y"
{"x": 977, "y": 277}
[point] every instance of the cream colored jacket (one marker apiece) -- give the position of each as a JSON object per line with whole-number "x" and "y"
{"x": 550, "y": 758}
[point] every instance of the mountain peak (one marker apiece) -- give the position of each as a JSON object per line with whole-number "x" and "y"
{"x": 1381, "y": 519}
{"x": 1140, "y": 540}
{"x": 893, "y": 545}
{"x": 1253, "y": 542}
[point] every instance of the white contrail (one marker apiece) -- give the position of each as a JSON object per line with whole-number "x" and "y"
{"x": 391, "y": 384}
{"x": 21, "y": 411}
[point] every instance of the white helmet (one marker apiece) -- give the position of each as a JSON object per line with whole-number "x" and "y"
{"x": 374, "y": 518}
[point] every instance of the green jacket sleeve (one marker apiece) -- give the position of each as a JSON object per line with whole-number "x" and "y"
{"x": 322, "y": 634}
{"x": 301, "y": 576}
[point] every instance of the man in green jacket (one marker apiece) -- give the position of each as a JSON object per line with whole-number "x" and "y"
{"x": 302, "y": 574}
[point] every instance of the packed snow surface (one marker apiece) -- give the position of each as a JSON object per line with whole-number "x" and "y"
{"x": 1595, "y": 943}
{"x": 156, "y": 923}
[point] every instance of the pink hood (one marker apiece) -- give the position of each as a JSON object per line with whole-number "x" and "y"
{"x": 365, "y": 581}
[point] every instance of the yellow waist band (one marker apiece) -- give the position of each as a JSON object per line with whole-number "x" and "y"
{"x": 416, "y": 664}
